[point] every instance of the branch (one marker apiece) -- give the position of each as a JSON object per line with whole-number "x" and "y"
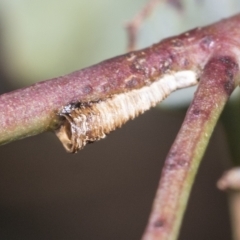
{"x": 45, "y": 105}
{"x": 134, "y": 25}
{"x": 220, "y": 77}
{"x": 232, "y": 128}
{"x": 230, "y": 182}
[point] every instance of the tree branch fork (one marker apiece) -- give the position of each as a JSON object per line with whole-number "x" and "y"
{"x": 35, "y": 109}
{"x": 74, "y": 100}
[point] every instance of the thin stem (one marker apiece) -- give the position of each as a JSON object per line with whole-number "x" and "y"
{"x": 35, "y": 109}
{"x": 230, "y": 119}
{"x": 134, "y": 25}
{"x": 216, "y": 85}
{"x": 230, "y": 182}
{"x": 234, "y": 207}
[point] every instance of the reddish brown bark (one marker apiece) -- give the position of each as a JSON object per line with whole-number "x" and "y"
{"x": 32, "y": 110}
{"x": 219, "y": 79}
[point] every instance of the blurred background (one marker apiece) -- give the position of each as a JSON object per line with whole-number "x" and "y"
{"x": 106, "y": 190}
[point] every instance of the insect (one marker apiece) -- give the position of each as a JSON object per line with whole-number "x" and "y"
{"x": 88, "y": 122}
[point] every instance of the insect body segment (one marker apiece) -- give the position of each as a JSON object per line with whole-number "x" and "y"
{"x": 92, "y": 121}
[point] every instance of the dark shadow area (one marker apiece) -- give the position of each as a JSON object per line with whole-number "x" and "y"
{"x": 106, "y": 190}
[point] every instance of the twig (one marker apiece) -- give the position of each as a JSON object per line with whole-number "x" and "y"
{"x": 134, "y": 25}
{"x": 234, "y": 207}
{"x": 35, "y": 109}
{"x": 230, "y": 182}
{"x": 220, "y": 77}
{"x": 232, "y": 128}
{"x": 40, "y": 107}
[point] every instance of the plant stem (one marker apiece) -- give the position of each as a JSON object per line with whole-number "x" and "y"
{"x": 35, "y": 109}
{"x": 230, "y": 182}
{"x": 230, "y": 119}
{"x": 134, "y": 25}
{"x": 217, "y": 83}
{"x": 234, "y": 207}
